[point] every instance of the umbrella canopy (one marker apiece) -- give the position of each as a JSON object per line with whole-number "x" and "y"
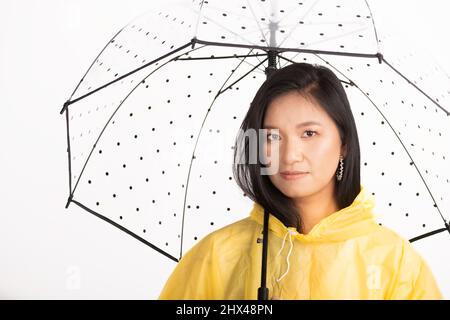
{"x": 152, "y": 125}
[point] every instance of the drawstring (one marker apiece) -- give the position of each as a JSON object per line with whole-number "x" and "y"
{"x": 291, "y": 232}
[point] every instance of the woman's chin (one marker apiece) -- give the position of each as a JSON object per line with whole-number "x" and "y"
{"x": 295, "y": 192}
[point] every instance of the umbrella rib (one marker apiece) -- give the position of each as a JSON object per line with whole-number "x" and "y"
{"x": 256, "y": 20}
{"x": 287, "y": 15}
{"x": 193, "y": 153}
{"x": 262, "y": 9}
{"x": 258, "y": 58}
{"x": 125, "y": 230}
{"x": 315, "y": 24}
{"x": 288, "y": 60}
{"x": 255, "y": 67}
{"x": 69, "y": 158}
{"x": 224, "y": 57}
{"x": 233, "y": 13}
{"x": 415, "y": 86}
{"x": 93, "y": 62}
{"x": 425, "y": 235}
{"x": 337, "y": 70}
{"x": 373, "y": 24}
{"x": 337, "y": 37}
{"x": 291, "y": 61}
{"x": 69, "y": 102}
{"x": 230, "y": 31}
{"x": 236, "y": 45}
{"x": 227, "y": 57}
{"x": 246, "y": 74}
{"x": 296, "y": 25}
{"x": 200, "y": 14}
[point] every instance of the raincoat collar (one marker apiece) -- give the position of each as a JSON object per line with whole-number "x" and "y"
{"x": 355, "y": 220}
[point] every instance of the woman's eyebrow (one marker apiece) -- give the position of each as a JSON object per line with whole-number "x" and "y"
{"x": 303, "y": 124}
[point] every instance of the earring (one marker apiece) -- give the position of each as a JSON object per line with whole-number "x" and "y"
{"x": 341, "y": 168}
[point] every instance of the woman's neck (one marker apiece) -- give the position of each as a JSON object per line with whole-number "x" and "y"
{"x": 314, "y": 208}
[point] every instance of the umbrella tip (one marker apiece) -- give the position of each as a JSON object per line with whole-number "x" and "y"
{"x": 193, "y": 42}
{"x": 69, "y": 200}
{"x": 380, "y": 57}
{"x": 65, "y": 105}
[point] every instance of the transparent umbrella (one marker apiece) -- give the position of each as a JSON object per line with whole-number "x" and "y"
{"x": 152, "y": 124}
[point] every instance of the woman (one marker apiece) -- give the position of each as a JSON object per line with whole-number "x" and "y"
{"x": 324, "y": 242}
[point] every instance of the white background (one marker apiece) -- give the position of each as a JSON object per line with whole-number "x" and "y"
{"x": 46, "y": 251}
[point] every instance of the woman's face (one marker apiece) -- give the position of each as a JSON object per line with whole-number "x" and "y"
{"x": 311, "y": 148}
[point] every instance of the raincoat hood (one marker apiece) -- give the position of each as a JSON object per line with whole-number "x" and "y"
{"x": 352, "y": 221}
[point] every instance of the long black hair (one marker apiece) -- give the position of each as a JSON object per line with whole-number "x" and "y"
{"x": 321, "y": 84}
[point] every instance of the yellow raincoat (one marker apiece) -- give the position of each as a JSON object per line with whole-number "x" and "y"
{"x": 347, "y": 255}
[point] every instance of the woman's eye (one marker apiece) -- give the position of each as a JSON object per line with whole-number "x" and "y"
{"x": 272, "y": 136}
{"x": 311, "y": 131}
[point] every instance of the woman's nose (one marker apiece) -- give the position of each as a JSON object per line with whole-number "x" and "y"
{"x": 292, "y": 151}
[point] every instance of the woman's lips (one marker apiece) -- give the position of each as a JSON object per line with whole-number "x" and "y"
{"x": 293, "y": 176}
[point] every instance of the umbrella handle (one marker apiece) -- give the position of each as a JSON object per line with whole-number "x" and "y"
{"x": 263, "y": 291}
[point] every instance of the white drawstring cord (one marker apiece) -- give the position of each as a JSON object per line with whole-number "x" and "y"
{"x": 284, "y": 240}
{"x": 291, "y": 232}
